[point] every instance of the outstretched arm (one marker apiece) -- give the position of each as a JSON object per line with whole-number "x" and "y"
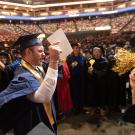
{"x": 46, "y": 90}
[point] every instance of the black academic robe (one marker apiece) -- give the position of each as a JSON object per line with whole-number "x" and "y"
{"x": 114, "y": 89}
{"x": 125, "y": 93}
{"x": 6, "y": 76}
{"x": 16, "y": 111}
{"x": 96, "y": 91}
{"x": 77, "y": 79}
{"x": 118, "y": 94}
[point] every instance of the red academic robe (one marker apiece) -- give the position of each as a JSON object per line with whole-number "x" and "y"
{"x": 63, "y": 90}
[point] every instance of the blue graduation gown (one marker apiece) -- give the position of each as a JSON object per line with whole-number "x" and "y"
{"x": 77, "y": 79}
{"x": 16, "y": 111}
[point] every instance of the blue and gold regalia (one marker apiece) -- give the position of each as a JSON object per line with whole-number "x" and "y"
{"x": 16, "y": 111}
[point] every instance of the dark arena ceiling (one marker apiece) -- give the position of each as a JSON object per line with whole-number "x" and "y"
{"x": 59, "y": 7}
{"x": 35, "y": 2}
{"x": 39, "y": 2}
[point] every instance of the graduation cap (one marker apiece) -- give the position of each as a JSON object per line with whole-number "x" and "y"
{"x": 41, "y": 129}
{"x": 27, "y": 41}
{"x": 98, "y": 47}
{"x": 76, "y": 45}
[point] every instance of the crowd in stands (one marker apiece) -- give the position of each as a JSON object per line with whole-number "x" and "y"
{"x": 124, "y": 22}
{"x": 10, "y": 32}
{"x": 119, "y": 22}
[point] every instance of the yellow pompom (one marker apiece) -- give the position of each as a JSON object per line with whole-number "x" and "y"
{"x": 125, "y": 61}
{"x": 92, "y": 61}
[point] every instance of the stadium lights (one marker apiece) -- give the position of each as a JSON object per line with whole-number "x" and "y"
{"x": 6, "y": 45}
{"x": 56, "y": 4}
{"x": 44, "y": 14}
{"x": 102, "y": 9}
{"x": 14, "y": 4}
{"x": 108, "y": 27}
{"x": 37, "y": 18}
{"x": 110, "y": 12}
{"x": 25, "y": 14}
{"x": 2, "y": 17}
{"x": 73, "y": 11}
{"x": 56, "y": 13}
{"x": 73, "y": 15}
{"x": 133, "y": 3}
{"x": 13, "y": 13}
{"x": 121, "y": 6}
{"x": 90, "y": 10}
{"x": 16, "y": 8}
{"x": 4, "y": 6}
{"x": 5, "y": 13}
{"x": 72, "y": 3}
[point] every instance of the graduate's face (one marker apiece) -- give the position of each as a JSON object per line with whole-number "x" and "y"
{"x": 76, "y": 50}
{"x": 4, "y": 60}
{"x": 37, "y": 54}
{"x": 97, "y": 53}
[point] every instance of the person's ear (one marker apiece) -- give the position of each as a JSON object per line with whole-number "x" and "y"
{"x": 28, "y": 51}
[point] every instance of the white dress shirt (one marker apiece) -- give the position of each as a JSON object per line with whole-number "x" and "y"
{"x": 46, "y": 90}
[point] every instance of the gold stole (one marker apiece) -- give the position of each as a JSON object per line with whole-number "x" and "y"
{"x": 47, "y": 106}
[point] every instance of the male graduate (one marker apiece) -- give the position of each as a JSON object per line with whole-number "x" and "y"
{"x": 27, "y": 100}
{"x": 75, "y": 63}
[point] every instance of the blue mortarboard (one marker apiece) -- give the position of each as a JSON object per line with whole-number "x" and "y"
{"x": 27, "y": 41}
